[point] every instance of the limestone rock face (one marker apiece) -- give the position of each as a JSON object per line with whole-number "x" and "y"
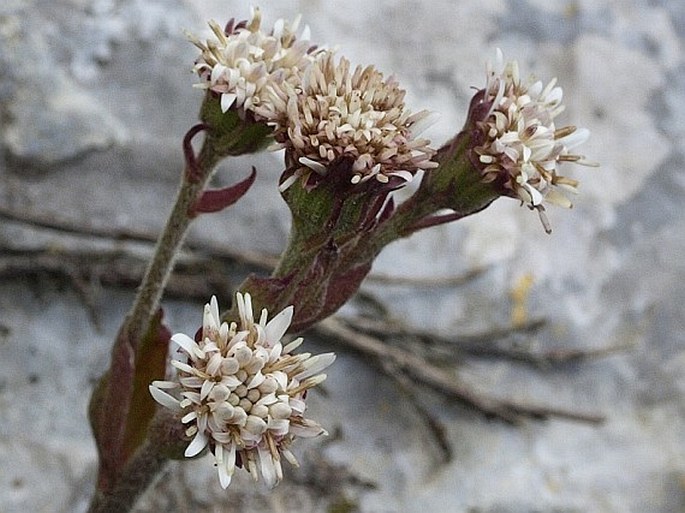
{"x": 95, "y": 97}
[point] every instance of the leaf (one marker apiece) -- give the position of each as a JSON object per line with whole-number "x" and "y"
{"x": 192, "y": 167}
{"x": 150, "y": 365}
{"x": 109, "y": 407}
{"x": 215, "y": 200}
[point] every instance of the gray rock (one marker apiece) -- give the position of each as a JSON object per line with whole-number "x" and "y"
{"x": 94, "y": 100}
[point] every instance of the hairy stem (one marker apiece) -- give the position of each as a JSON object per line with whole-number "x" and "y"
{"x": 140, "y": 472}
{"x": 168, "y": 245}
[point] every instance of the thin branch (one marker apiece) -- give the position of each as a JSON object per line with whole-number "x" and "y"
{"x": 483, "y": 344}
{"x": 195, "y": 279}
{"x": 441, "y": 381}
{"x": 51, "y": 222}
{"x": 435, "y": 427}
{"x": 395, "y": 328}
{"x": 432, "y": 282}
{"x": 552, "y": 357}
{"x": 75, "y": 228}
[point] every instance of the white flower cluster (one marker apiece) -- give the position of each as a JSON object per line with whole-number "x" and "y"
{"x": 320, "y": 110}
{"x": 521, "y": 148}
{"x": 243, "y": 61}
{"x": 337, "y": 113}
{"x": 242, "y": 392}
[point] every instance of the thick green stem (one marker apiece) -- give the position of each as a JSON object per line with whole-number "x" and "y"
{"x": 454, "y": 185}
{"x": 333, "y": 240}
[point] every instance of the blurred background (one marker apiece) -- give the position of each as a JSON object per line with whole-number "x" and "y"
{"x": 95, "y": 97}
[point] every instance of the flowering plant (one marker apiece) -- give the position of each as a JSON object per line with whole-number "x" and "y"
{"x": 237, "y": 388}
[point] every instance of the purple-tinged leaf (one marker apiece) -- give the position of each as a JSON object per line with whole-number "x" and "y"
{"x": 215, "y": 200}
{"x": 193, "y": 172}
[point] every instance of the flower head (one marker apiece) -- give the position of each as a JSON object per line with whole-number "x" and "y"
{"x": 517, "y": 145}
{"x": 242, "y": 61}
{"x": 243, "y": 392}
{"x": 337, "y": 114}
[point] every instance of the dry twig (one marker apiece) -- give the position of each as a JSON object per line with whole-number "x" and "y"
{"x": 435, "y": 427}
{"x": 253, "y": 259}
{"x": 429, "y": 375}
{"x": 428, "y": 282}
{"x": 483, "y": 344}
